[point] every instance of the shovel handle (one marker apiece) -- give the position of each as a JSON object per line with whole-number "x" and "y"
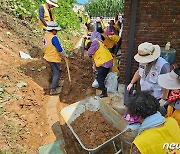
{"x": 67, "y": 65}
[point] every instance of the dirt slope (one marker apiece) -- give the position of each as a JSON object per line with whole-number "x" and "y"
{"x": 23, "y": 109}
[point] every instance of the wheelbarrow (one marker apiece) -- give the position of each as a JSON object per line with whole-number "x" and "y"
{"x": 73, "y": 111}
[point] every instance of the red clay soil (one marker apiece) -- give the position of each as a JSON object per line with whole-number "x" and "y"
{"x": 82, "y": 78}
{"x": 93, "y": 130}
{"x": 24, "y": 122}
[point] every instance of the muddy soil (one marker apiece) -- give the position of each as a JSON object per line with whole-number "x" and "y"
{"x": 93, "y": 130}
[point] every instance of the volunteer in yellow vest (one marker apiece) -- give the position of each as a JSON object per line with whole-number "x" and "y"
{"x": 87, "y": 21}
{"x": 154, "y": 131}
{"x": 52, "y": 54}
{"x": 102, "y": 58}
{"x": 80, "y": 15}
{"x": 102, "y": 22}
{"x": 171, "y": 81}
{"x": 45, "y": 13}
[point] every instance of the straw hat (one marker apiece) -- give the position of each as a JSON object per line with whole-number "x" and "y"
{"x": 52, "y": 2}
{"x": 52, "y": 26}
{"x": 147, "y": 52}
{"x": 169, "y": 81}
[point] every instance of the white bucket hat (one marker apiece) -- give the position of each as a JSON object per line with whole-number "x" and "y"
{"x": 98, "y": 19}
{"x": 169, "y": 81}
{"x": 52, "y": 2}
{"x": 147, "y": 52}
{"x": 52, "y": 25}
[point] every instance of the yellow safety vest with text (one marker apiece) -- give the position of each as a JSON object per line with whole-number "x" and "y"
{"x": 51, "y": 54}
{"x": 152, "y": 141}
{"x": 102, "y": 55}
{"x": 47, "y": 17}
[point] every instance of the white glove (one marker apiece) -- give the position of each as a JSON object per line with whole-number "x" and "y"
{"x": 64, "y": 54}
{"x": 162, "y": 102}
{"x": 129, "y": 87}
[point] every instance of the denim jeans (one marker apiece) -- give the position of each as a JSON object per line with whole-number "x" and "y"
{"x": 55, "y": 68}
{"x": 101, "y": 76}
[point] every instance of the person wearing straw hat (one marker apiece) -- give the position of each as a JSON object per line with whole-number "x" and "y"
{"x": 171, "y": 81}
{"x": 151, "y": 65}
{"x": 45, "y": 13}
{"x": 153, "y": 129}
{"x": 52, "y": 54}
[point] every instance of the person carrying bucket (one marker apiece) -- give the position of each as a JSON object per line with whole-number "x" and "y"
{"x": 151, "y": 65}
{"x": 102, "y": 58}
{"x": 45, "y": 13}
{"x": 52, "y": 54}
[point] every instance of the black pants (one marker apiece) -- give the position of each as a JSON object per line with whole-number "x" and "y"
{"x": 101, "y": 76}
{"x": 116, "y": 47}
{"x": 87, "y": 25}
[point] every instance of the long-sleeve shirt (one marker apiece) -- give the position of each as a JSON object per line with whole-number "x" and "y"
{"x": 93, "y": 48}
{"x": 110, "y": 30}
{"x": 57, "y": 44}
{"x": 41, "y": 15}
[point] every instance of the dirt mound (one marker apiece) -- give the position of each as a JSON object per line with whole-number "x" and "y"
{"x": 82, "y": 78}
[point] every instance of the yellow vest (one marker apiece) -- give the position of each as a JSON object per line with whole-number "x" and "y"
{"x": 114, "y": 38}
{"x": 102, "y": 25}
{"x": 80, "y": 14}
{"x": 108, "y": 42}
{"x": 173, "y": 113}
{"x": 102, "y": 55}
{"x": 115, "y": 66}
{"x": 87, "y": 19}
{"x": 50, "y": 52}
{"x": 151, "y": 141}
{"x": 46, "y": 17}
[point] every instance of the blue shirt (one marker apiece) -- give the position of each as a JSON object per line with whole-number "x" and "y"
{"x": 57, "y": 44}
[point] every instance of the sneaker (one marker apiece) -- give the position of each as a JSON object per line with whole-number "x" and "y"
{"x": 54, "y": 92}
{"x": 103, "y": 95}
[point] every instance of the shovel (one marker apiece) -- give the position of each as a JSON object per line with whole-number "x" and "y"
{"x": 69, "y": 76}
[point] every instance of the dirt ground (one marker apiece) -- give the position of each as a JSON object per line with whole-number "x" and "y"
{"x": 24, "y": 85}
{"x": 93, "y": 130}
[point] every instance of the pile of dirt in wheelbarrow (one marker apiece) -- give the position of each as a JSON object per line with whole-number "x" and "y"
{"x": 93, "y": 130}
{"x": 82, "y": 77}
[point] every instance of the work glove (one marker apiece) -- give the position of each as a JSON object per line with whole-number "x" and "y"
{"x": 162, "y": 102}
{"x": 64, "y": 54}
{"x": 129, "y": 87}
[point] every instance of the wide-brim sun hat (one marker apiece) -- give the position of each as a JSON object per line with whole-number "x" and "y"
{"x": 169, "y": 81}
{"x": 147, "y": 52}
{"x": 52, "y": 26}
{"x": 52, "y": 2}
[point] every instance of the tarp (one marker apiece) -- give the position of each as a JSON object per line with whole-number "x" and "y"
{"x": 53, "y": 148}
